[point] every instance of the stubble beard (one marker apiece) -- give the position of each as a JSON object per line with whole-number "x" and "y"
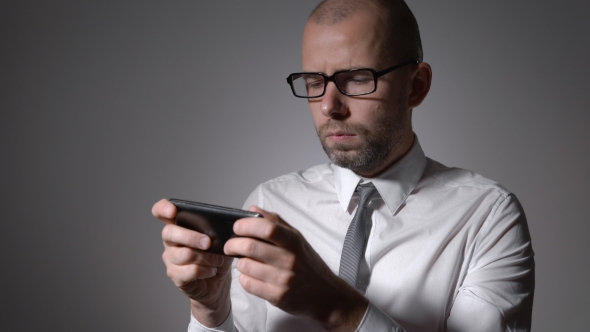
{"x": 378, "y": 145}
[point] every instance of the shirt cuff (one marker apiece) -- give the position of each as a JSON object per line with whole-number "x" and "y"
{"x": 226, "y": 326}
{"x": 377, "y": 320}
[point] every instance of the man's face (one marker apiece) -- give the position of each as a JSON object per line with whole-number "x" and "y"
{"x": 365, "y": 133}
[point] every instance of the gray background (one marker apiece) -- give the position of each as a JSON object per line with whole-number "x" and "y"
{"x": 107, "y": 106}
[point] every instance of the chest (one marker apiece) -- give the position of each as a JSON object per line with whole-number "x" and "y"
{"x": 415, "y": 259}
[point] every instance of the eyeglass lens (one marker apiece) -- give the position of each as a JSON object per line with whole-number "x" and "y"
{"x": 356, "y": 82}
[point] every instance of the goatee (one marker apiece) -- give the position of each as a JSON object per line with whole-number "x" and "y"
{"x": 377, "y": 147}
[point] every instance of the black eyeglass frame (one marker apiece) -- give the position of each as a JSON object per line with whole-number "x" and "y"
{"x": 376, "y": 75}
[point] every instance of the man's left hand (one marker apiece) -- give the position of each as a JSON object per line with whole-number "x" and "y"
{"x": 280, "y": 266}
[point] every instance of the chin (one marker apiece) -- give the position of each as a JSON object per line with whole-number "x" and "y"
{"x": 362, "y": 160}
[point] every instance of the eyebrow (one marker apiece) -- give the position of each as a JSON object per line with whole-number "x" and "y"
{"x": 343, "y": 69}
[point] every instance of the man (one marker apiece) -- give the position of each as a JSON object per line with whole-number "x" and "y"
{"x": 441, "y": 248}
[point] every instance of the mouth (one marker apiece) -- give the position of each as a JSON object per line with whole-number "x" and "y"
{"x": 339, "y": 136}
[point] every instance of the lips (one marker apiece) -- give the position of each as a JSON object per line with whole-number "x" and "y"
{"x": 335, "y": 132}
{"x": 339, "y": 133}
{"x": 339, "y": 136}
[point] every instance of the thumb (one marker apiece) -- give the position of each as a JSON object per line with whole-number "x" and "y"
{"x": 270, "y": 216}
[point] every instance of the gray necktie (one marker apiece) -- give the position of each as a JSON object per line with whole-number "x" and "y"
{"x": 354, "y": 243}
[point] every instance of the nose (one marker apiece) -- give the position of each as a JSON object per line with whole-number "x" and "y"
{"x": 332, "y": 104}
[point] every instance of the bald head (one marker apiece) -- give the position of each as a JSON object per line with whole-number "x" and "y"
{"x": 401, "y": 35}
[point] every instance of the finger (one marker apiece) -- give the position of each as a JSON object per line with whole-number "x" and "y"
{"x": 184, "y": 256}
{"x": 179, "y": 236}
{"x": 264, "y": 272}
{"x": 164, "y": 210}
{"x": 184, "y": 274}
{"x": 268, "y": 230}
{"x": 272, "y": 293}
{"x": 269, "y": 215}
{"x": 261, "y": 251}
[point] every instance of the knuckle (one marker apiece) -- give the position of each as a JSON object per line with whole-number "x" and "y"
{"x": 184, "y": 255}
{"x": 289, "y": 262}
{"x": 286, "y": 278}
{"x": 246, "y": 283}
{"x": 251, "y": 248}
{"x": 189, "y": 273}
{"x": 170, "y": 272}
{"x": 278, "y": 297}
{"x": 270, "y": 230}
{"x": 168, "y": 255}
{"x": 165, "y": 256}
{"x": 182, "y": 274}
{"x": 243, "y": 265}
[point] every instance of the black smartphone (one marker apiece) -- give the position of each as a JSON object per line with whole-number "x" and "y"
{"x": 217, "y": 222}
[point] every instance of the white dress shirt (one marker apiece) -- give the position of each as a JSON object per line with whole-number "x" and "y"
{"x": 448, "y": 250}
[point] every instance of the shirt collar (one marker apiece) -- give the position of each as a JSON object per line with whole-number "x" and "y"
{"x": 394, "y": 184}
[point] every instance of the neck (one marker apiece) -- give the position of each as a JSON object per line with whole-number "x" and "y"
{"x": 396, "y": 155}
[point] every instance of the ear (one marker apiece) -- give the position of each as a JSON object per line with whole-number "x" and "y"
{"x": 421, "y": 79}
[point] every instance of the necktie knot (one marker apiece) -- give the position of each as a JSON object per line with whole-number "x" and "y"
{"x": 366, "y": 192}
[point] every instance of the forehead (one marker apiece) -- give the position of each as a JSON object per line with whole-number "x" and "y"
{"x": 354, "y": 42}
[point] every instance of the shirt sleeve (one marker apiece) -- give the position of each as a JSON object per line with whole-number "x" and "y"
{"x": 497, "y": 292}
{"x": 250, "y": 311}
{"x": 226, "y": 326}
{"x": 377, "y": 320}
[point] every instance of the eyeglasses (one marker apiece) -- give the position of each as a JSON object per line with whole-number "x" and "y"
{"x": 351, "y": 82}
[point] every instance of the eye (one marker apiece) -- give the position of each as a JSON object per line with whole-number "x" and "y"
{"x": 355, "y": 78}
{"x": 359, "y": 80}
{"x": 314, "y": 83}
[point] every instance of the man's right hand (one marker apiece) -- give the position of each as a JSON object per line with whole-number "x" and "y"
{"x": 204, "y": 277}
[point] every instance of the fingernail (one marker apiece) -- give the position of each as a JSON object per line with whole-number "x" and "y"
{"x": 214, "y": 270}
{"x": 168, "y": 211}
{"x": 204, "y": 242}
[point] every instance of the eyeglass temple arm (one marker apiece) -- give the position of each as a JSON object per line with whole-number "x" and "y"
{"x": 385, "y": 71}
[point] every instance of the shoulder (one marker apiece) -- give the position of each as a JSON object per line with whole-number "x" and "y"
{"x": 294, "y": 186}
{"x": 315, "y": 174}
{"x": 453, "y": 178}
{"x": 469, "y": 191}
